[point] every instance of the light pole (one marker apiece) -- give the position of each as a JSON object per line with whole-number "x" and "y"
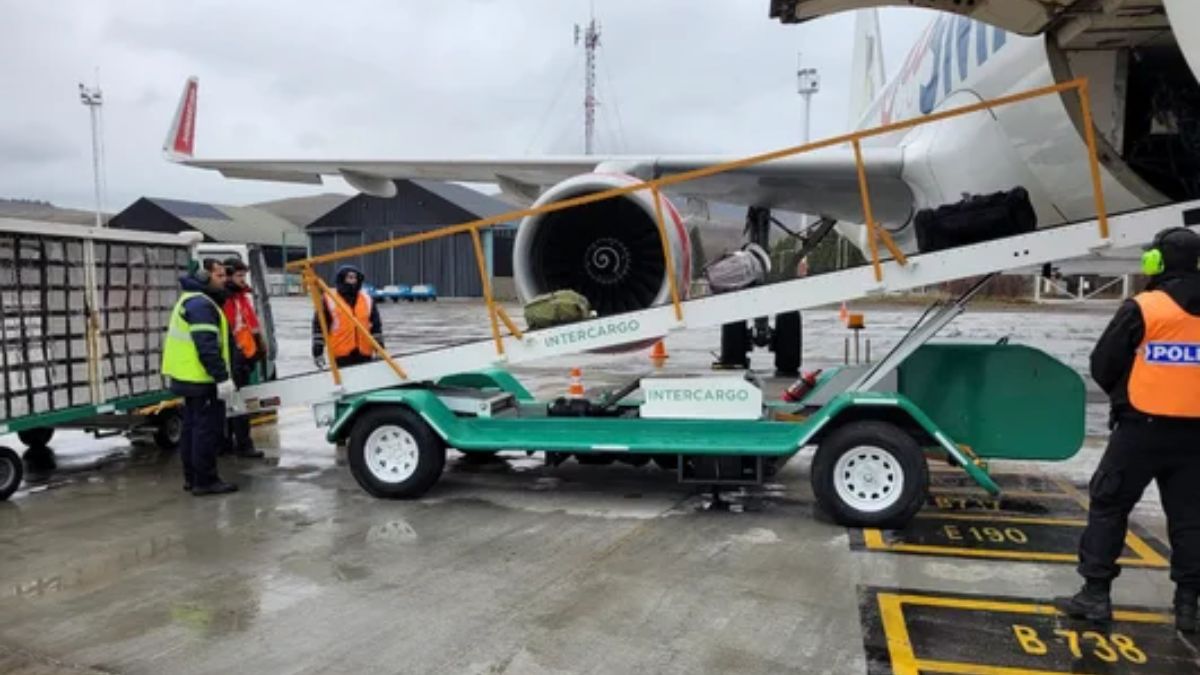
{"x": 93, "y": 99}
{"x": 808, "y": 82}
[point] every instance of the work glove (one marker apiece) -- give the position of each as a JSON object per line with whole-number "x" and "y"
{"x": 319, "y": 361}
{"x": 227, "y": 392}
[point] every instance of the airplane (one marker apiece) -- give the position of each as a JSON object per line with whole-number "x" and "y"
{"x": 1141, "y": 58}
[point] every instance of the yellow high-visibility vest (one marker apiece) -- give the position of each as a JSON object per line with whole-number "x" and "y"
{"x": 181, "y": 359}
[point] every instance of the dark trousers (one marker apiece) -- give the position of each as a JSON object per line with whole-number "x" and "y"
{"x": 1138, "y": 452}
{"x": 203, "y": 435}
{"x": 353, "y": 359}
{"x": 239, "y": 425}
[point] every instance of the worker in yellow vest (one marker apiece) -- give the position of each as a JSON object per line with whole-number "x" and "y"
{"x": 196, "y": 360}
{"x": 348, "y": 344}
{"x": 1148, "y": 361}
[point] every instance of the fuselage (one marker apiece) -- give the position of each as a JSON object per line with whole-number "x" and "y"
{"x": 1037, "y": 144}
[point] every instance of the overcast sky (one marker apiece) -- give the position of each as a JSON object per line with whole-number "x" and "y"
{"x": 399, "y": 79}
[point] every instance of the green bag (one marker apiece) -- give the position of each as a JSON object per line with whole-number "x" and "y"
{"x": 557, "y": 308}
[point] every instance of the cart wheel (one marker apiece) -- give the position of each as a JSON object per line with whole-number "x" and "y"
{"x": 168, "y": 428}
{"x": 787, "y": 343}
{"x": 11, "y": 472}
{"x": 870, "y": 474}
{"x": 393, "y": 454}
{"x": 40, "y": 460}
{"x": 666, "y": 462}
{"x": 36, "y": 438}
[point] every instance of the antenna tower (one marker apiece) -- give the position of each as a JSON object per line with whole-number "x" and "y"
{"x": 591, "y": 41}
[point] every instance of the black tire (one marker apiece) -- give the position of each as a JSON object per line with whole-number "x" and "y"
{"x": 12, "y": 470}
{"x": 168, "y": 429}
{"x": 867, "y": 439}
{"x": 787, "y": 341}
{"x": 36, "y": 438}
{"x": 735, "y": 346}
{"x": 667, "y": 462}
{"x": 40, "y": 460}
{"x": 395, "y": 301}
{"x": 430, "y": 454}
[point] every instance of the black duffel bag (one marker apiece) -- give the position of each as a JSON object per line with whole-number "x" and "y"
{"x": 975, "y": 219}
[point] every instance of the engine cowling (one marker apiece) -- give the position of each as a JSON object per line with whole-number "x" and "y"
{"x": 608, "y": 251}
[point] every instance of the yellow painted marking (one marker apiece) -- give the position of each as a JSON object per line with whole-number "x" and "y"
{"x": 1073, "y": 492}
{"x": 904, "y": 659}
{"x": 1016, "y": 494}
{"x": 891, "y": 612}
{"x": 1016, "y": 520}
{"x": 955, "y": 668}
{"x": 1151, "y": 557}
{"x": 1147, "y": 557}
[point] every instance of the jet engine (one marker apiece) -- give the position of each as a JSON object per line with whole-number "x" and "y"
{"x": 608, "y": 251}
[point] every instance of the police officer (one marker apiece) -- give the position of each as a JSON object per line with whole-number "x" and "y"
{"x": 249, "y": 349}
{"x": 348, "y": 344}
{"x": 196, "y": 358}
{"x": 1148, "y": 360}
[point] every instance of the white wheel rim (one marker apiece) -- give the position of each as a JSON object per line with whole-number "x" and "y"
{"x": 868, "y": 479}
{"x": 390, "y": 454}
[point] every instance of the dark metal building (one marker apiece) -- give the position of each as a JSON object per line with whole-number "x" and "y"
{"x": 419, "y": 206}
{"x": 218, "y": 223}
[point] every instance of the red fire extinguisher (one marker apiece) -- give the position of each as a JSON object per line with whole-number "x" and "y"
{"x": 801, "y": 387}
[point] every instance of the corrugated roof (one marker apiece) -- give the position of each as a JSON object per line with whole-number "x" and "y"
{"x": 240, "y": 224}
{"x": 469, "y": 200}
{"x": 185, "y": 210}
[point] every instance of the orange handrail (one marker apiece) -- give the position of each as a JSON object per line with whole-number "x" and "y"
{"x": 314, "y": 291}
{"x": 875, "y": 232}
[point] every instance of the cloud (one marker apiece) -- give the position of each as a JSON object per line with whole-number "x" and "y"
{"x": 35, "y": 145}
{"x": 382, "y": 79}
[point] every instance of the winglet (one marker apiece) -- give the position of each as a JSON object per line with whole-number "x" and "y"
{"x": 182, "y": 134}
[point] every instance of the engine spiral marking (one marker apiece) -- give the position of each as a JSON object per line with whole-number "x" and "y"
{"x": 607, "y": 261}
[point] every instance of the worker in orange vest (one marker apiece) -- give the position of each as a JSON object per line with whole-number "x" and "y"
{"x": 348, "y": 344}
{"x": 1148, "y": 361}
{"x": 249, "y": 349}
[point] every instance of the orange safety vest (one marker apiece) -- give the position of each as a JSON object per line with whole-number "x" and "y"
{"x": 344, "y": 337}
{"x": 1166, "y": 371}
{"x": 243, "y": 324}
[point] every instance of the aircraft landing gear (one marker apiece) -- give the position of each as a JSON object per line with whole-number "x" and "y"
{"x": 784, "y": 339}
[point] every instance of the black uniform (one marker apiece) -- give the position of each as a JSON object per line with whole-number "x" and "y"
{"x": 1142, "y": 448}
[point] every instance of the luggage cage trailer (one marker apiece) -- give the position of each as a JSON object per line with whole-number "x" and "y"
{"x": 80, "y": 342}
{"x": 872, "y": 427}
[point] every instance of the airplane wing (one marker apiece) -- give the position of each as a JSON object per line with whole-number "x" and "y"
{"x": 824, "y": 183}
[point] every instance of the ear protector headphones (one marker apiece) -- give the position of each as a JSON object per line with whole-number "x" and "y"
{"x": 1153, "y": 262}
{"x": 199, "y": 273}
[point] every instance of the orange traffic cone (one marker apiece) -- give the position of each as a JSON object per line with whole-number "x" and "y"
{"x": 658, "y": 355}
{"x": 844, "y": 314}
{"x": 575, "y": 390}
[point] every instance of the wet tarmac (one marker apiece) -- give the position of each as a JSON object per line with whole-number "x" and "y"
{"x": 513, "y": 567}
